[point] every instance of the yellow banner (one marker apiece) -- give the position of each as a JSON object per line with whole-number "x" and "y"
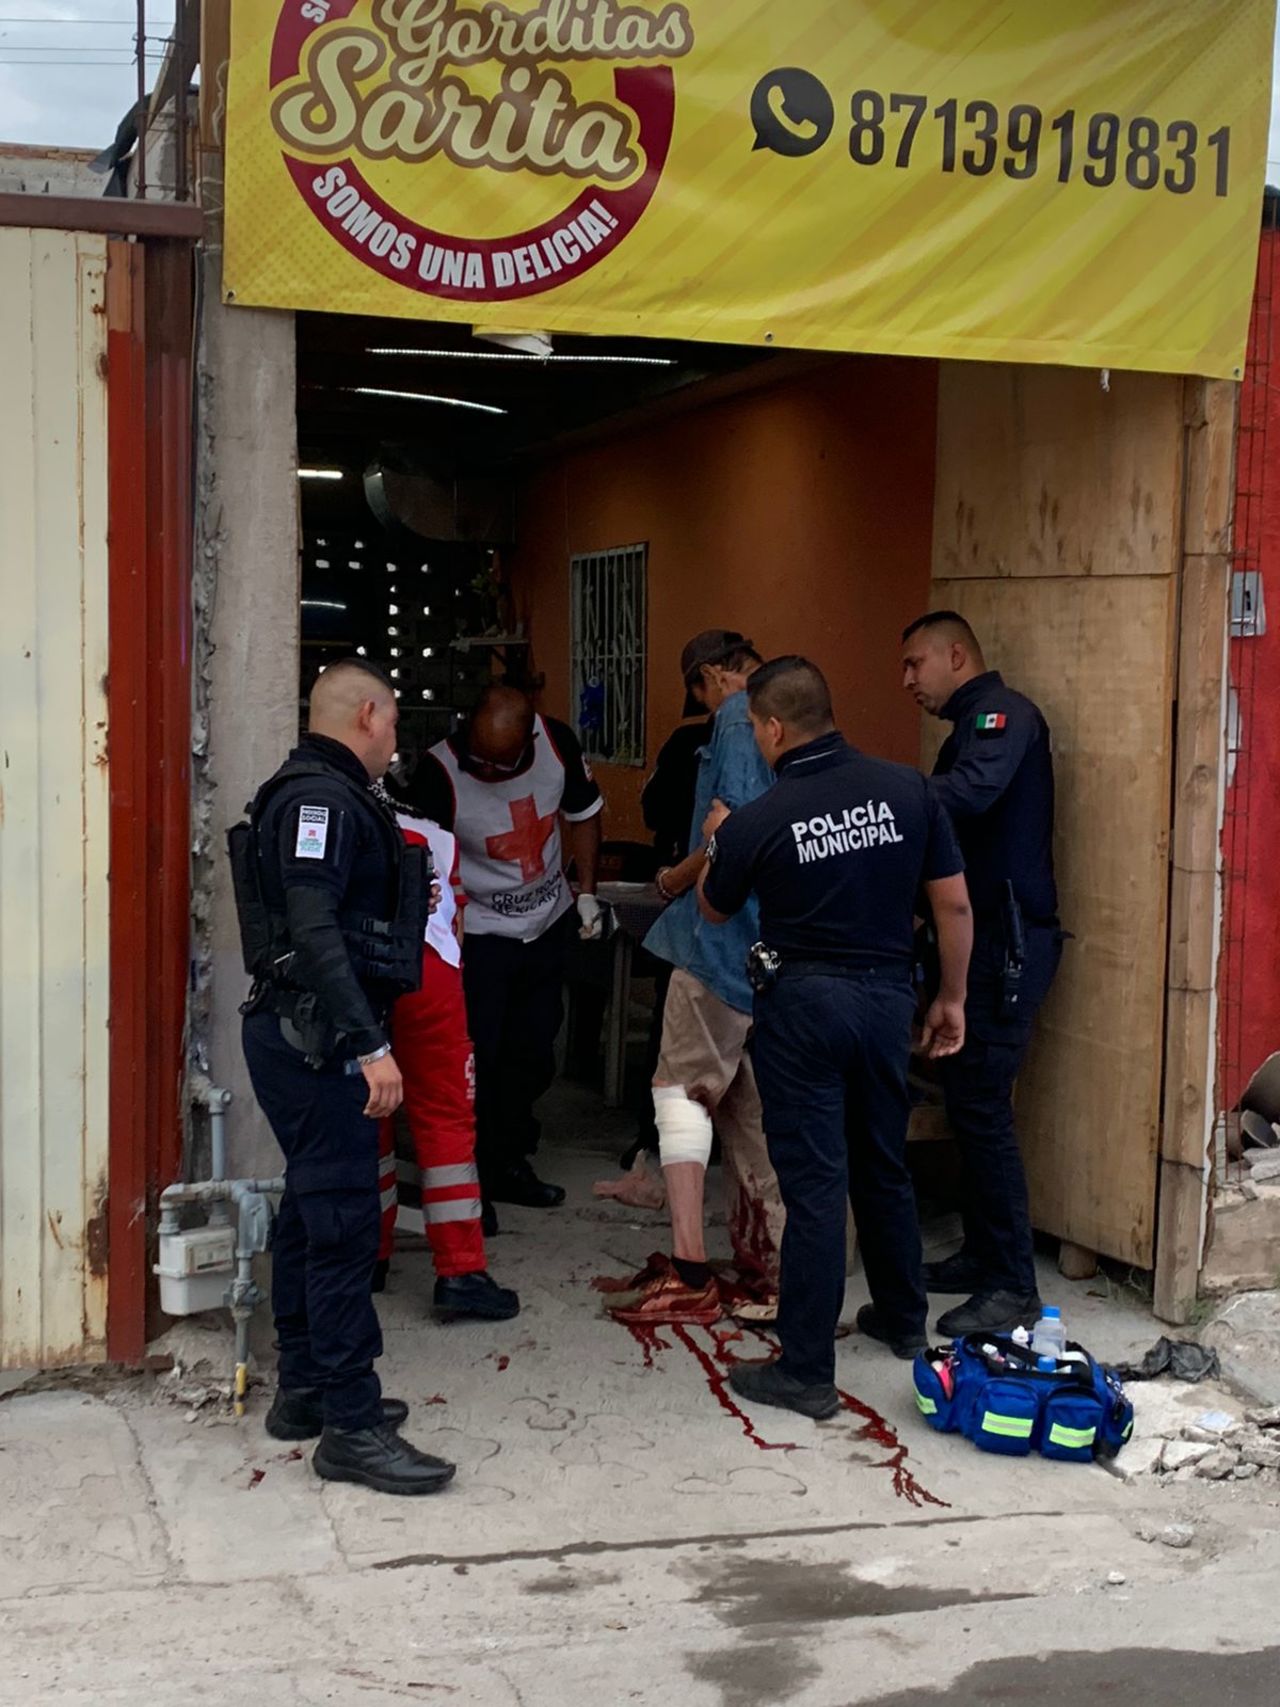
{"x": 1069, "y": 181}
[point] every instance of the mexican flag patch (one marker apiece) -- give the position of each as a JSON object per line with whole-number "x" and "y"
{"x": 990, "y": 722}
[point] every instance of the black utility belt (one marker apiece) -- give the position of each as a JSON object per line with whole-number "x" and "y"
{"x": 845, "y": 969}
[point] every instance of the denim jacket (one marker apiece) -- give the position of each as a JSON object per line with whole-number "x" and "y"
{"x": 730, "y": 768}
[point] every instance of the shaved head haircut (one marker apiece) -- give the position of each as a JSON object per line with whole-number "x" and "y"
{"x": 945, "y": 627}
{"x": 340, "y": 691}
{"x": 795, "y": 692}
{"x": 354, "y": 703}
{"x": 500, "y": 726}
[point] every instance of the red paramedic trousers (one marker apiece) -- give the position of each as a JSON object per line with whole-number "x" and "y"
{"x": 433, "y": 1051}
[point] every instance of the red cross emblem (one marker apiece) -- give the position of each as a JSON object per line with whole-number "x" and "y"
{"x": 526, "y": 841}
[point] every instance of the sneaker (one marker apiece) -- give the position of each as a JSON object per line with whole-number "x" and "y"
{"x": 767, "y": 1384}
{"x": 904, "y": 1345}
{"x": 665, "y": 1300}
{"x": 991, "y": 1313}
{"x": 956, "y": 1273}
{"x": 378, "y": 1458}
{"x": 519, "y": 1184}
{"x": 657, "y": 1263}
{"x": 476, "y": 1294}
{"x": 298, "y": 1413}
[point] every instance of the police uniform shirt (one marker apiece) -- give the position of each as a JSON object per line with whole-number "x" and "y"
{"x": 994, "y": 775}
{"x": 836, "y": 853}
{"x": 312, "y": 834}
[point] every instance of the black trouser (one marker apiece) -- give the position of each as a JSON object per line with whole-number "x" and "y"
{"x": 515, "y": 1005}
{"x": 978, "y": 1087}
{"x": 830, "y": 1056}
{"x": 326, "y": 1234}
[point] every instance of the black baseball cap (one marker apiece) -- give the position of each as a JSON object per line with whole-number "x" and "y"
{"x": 712, "y": 646}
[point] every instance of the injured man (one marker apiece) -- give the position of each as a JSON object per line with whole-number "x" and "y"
{"x": 704, "y": 1084}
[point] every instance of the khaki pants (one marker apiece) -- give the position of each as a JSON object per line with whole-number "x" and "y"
{"x": 704, "y": 1050}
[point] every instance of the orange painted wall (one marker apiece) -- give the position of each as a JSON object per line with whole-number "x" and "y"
{"x": 800, "y": 514}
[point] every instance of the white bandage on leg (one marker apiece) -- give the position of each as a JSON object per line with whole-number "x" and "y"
{"x": 684, "y": 1126}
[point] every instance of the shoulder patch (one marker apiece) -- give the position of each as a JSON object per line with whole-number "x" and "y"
{"x": 313, "y": 832}
{"x": 990, "y": 722}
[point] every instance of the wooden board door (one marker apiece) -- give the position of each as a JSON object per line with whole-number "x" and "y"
{"x": 1057, "y": 533}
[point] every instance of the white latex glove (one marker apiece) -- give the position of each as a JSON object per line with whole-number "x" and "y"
{"x": 591, "y": 916}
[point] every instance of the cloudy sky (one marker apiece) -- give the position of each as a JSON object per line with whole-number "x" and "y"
{"x": 67, "y": 75}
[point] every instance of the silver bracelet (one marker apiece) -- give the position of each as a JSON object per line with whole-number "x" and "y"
{"x": 374, "y": 1055}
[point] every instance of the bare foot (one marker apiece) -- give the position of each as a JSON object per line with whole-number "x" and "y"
{"x": 639, "y": 1189}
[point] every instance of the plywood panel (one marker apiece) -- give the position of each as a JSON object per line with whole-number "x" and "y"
{"x": 1043, "y": 472}
{"x": 53, "y": 842}
{"x": 1096, "y": 654}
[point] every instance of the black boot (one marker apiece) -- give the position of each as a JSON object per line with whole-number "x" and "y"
{"x": 381, "y": 1269}
{"x": 377, "y": 1458}
{"x": 297, "y": 1413}
{"x": 766, "y": 1384}
{"x": 956, "y": 1273}
{"x": 488, "y": 1219}
{"x": 476, "y": 1294}
{"x": 991, "y": 1313}
{"x": 901, "y": 1345}
{"x": 519, "y": 1184}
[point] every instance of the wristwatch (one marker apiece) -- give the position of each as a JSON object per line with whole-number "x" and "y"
{"x": 374, "y": 1055}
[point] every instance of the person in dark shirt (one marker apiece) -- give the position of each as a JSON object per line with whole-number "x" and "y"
{"x": 332, "y": 920}
{"x": 836, "y": 853}
{"x": 994, "y": 776}
{"x": 667, "y": 797}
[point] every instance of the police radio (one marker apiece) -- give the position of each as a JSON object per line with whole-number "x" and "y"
{"x": 763, "y": 966}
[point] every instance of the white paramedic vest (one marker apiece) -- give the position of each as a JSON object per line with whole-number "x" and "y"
{"x": 508, "y": 835}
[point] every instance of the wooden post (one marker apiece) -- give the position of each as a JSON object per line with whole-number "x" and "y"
{"x": 1195, "y": 896}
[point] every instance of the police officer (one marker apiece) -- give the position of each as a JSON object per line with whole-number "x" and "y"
{"x": 994, "y": 775}
{"x": 836, "y": 852}
{"x": 332, "y": 911}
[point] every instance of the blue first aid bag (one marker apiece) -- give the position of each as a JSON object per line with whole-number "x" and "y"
{"x": 988, "y": 1388}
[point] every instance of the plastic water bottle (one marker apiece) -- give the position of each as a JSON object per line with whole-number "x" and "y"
{"x": 1049, "y": 1337}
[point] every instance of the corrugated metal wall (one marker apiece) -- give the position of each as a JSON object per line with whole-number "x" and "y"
{"x": 53, "y": 797}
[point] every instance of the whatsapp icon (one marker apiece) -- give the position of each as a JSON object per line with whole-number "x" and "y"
{"x": 791, "y": 112}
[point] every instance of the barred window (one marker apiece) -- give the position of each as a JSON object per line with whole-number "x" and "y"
{"x": 608, "y": 652}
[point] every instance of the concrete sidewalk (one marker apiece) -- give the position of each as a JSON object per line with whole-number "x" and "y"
{"x": 617, "y": 1530}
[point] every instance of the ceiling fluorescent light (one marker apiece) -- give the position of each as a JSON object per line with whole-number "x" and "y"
{"x": 513, "y": 356}
{"x": 323, "y": 604}
{"x": 320, "y": 474}
{"x": 426, "y": 397}
{"x": 527, "y": 343}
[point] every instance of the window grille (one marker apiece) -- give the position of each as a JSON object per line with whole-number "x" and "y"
{"x": 608, "y": 652}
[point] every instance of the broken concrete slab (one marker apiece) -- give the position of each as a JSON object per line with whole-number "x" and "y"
{"x": 1242, "y": 1254}
{"x": 1246, "y": 1335}
{"x": 1178, "y": 1454}
{"x": 1217, "y": 1464}
{"x": 1138, "y": 1459}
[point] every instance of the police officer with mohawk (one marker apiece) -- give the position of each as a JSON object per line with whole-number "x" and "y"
{"x": 332, "y": 907}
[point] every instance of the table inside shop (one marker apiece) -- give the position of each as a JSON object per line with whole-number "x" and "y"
{"x": 634, "y": 907}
